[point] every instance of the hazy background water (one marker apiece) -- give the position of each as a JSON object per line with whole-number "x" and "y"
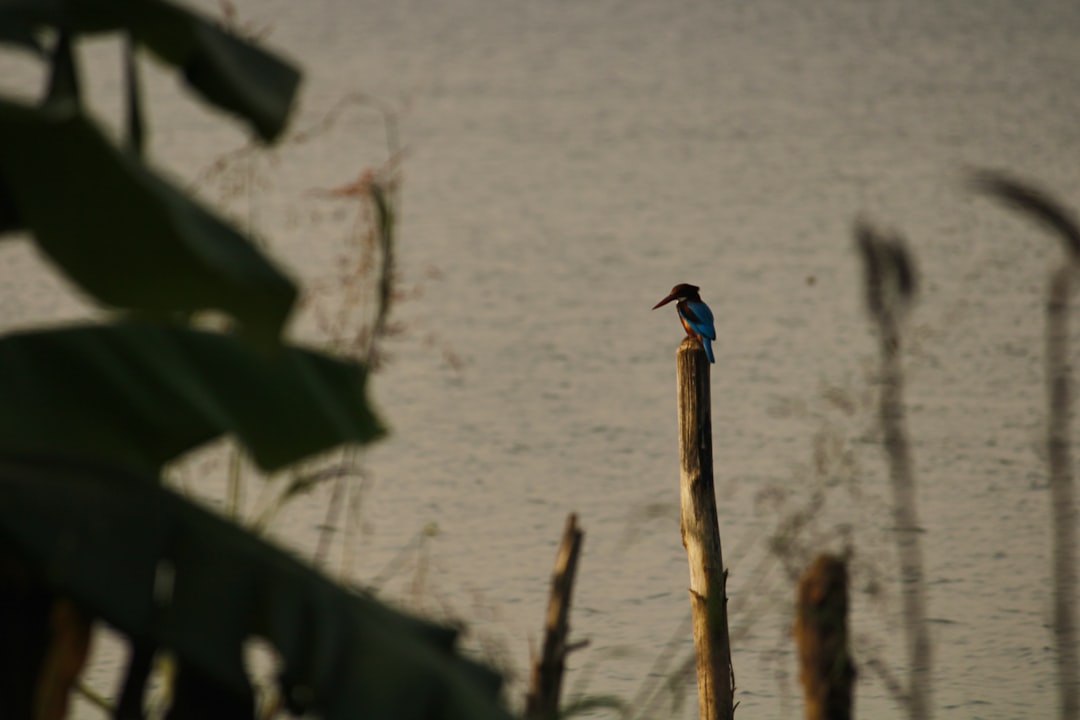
{"x": 568, "y": 163}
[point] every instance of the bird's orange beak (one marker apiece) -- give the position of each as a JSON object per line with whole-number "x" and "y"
{"x": 665, "y": 301}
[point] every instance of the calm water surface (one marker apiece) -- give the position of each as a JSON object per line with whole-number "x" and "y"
{"x": 568, "y": 163}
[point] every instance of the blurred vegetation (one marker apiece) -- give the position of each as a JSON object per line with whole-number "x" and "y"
{"x": 189, "y": 350}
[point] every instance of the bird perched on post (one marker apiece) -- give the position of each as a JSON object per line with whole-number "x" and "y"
{"x": 696, "y": 317}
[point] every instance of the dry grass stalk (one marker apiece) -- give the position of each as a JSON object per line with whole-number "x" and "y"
{"x": 890, "y": 289}
{"x": 1044, "y": 209}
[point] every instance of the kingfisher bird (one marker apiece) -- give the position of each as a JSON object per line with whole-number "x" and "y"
{"x": 696, "y": 317}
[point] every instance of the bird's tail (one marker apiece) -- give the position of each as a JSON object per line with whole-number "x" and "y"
{"x": 707, "y": 344}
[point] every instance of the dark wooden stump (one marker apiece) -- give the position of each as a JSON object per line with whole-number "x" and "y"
{"x": 825, "y": 667}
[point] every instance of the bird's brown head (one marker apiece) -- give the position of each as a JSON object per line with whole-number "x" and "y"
{"x": 682, "y": 291}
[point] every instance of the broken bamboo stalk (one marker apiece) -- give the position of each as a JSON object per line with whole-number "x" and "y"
{"x": 545, "y": 684}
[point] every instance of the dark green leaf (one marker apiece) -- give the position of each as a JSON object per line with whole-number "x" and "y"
{"x": 77, "y": 16}
{"x": 63, "y": 75}
{"x": 26, "y": 603}
{"x": 227, "y": 71}
{"x": 199, "y": 696}
{"x": 19, "y": 32}
{"x": 9, "y": 215}
{"x": 108, "y": 539}
{"x": 125, "y": 235}
{"x": 140, "y": 395}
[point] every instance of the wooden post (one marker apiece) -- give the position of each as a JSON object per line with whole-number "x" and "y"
{"x": 545, "y": 685}
{"x": 701, "y": 536}
{"x": 825, "y": 667}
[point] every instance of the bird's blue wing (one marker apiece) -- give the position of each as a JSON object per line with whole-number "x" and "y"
{"x": 700, "y": 318}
